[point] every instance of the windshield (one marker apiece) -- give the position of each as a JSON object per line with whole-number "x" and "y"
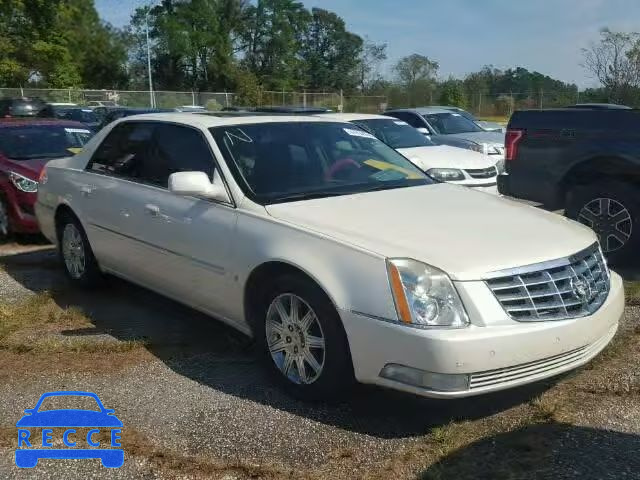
{"x": 84, "y": 115}
{"x": 395, "y": 133}
{"x": 42, "y": 141}
{"x": 278, "y": 162}
{"x": 451, "y": 123}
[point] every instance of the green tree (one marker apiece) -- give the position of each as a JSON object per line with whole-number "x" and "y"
{"x": 615, "y": 62}
{"x": 271, "y": 38}
{"x": 417, "y": 74}
{"x": 373, "y": 54}
{"x": 330, "y": 53}
{"x": 452, "y": 93}
{"x": 193, "y": 42}
{"x": 62, "y": 42}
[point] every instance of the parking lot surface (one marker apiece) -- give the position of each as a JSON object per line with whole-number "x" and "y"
{"x": 196, "y": 403}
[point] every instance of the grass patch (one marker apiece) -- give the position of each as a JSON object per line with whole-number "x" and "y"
{"x": 495, "y": 118}
{"x": 632, "y": 293}
{"x": 37, "y": 311}
{"x": 34, "y": 325}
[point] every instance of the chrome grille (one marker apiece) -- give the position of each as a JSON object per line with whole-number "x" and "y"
{"x": 572, "y": 287}
{"x": 482, "y": 172}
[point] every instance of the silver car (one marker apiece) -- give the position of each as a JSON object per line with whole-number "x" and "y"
{"x": 451, "y": 128}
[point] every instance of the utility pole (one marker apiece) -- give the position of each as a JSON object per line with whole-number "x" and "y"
{"x": 151, "y": 97}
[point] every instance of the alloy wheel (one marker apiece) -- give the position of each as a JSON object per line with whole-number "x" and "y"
{"x": 295, "y": 339}
{"x": 73, "y": 251}
{"x": 610, "y": 220}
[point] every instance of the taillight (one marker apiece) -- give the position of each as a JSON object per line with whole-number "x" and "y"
{"x": 512, "y": 139}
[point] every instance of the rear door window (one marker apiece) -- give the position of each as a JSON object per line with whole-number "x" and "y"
{"x": 125, "y": 151}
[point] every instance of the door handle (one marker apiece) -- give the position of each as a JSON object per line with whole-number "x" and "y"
{"x": 152, "y": 210}
{"x": 86, "y": 190}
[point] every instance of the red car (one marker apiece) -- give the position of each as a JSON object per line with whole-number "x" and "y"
{"x": 26, "y": 145}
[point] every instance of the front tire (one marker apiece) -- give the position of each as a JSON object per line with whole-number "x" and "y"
{"x": 612, "y": 210}
{"x": 303, "y": 341}
{"x": 78, "y": 260}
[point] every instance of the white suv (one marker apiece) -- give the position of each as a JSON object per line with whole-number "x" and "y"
{"x": 343, "y": 266}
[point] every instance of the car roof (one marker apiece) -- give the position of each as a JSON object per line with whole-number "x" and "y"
{"x": 209, "y": 120}
{"x": 446, "y": 107}
{"x": 348, "y": 117}
{"x": 421, "y": 110}
{"x": 612, "y": 106}
{"x": 37, "y": 122}
{"x": 299, "y": 109}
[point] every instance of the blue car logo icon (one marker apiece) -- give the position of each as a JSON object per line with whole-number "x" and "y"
{"x": 31, "y": 448}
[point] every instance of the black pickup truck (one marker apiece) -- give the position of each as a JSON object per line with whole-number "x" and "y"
{"x": 585, "y": 161}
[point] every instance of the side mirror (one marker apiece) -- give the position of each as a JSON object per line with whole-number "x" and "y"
{"x": 197, "y": 184}
{"x": 424, "y": 131}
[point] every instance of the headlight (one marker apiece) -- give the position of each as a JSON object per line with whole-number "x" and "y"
{"x": 424, "y": 295}
{"x": 446, "y": 174}
{"x": 23, "y": 183}
{"x": 476, "y": 147}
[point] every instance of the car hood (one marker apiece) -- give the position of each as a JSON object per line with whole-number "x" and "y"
{"x": 490, "y": 138}
{"x": 69, "y": 418}
{"x": 463, "y": 232}
{"x": 444, "y": 156}
{"x": 491, "y": 126}
{"x": 30, "y": 168}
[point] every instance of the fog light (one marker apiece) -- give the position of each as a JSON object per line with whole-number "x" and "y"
{"x": 442, "y": 382}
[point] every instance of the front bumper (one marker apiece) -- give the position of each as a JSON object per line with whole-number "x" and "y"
{"x": 503, "y": 184}
{"x": 20, "y": 207}
{"x": 495, "y": 357}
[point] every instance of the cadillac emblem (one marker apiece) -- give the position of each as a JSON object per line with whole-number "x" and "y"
{"x": 581, "y": 289}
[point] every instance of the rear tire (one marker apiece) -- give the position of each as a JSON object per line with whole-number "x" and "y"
{"x": 304, "y": 346}
{"x": 612, "y": 210}
{"x": 76, "y": 254}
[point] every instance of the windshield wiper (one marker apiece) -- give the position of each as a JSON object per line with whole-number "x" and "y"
{"x": 308, "y": 196}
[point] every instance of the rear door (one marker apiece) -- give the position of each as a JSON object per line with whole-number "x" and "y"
{"x": 114, "y": 201}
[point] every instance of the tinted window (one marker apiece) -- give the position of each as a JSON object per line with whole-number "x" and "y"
{"x": 276, "y": 162}
{"x": 42, "y": 141}
{"x": 411, "y": 118}
{"x": 124, "y": 151}
{"x": 176, "y": 149}
{"x": 396, "y": 133}
{"x": 79, "y": 115}
{"x": 150, "y": 152}
{"x": 451, "y": 123}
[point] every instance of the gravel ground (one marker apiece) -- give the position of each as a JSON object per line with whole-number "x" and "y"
{"x": 201, "y": 406}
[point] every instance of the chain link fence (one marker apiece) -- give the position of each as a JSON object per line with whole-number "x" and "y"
{"x": 210, "y": 100}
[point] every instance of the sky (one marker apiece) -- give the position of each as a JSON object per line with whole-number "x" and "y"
{"x": 464, "y": 35}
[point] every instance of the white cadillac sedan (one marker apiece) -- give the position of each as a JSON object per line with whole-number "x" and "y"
{"x": 444, "y": 163}
{"x": 343, "y": 259}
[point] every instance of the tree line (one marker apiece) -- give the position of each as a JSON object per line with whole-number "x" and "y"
{"x": 251, "y": 46}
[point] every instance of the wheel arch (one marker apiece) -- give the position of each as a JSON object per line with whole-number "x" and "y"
{"x": 61, "y": 211}
{"x": 271, "y": 269}
{"x": 601, "y": 168}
